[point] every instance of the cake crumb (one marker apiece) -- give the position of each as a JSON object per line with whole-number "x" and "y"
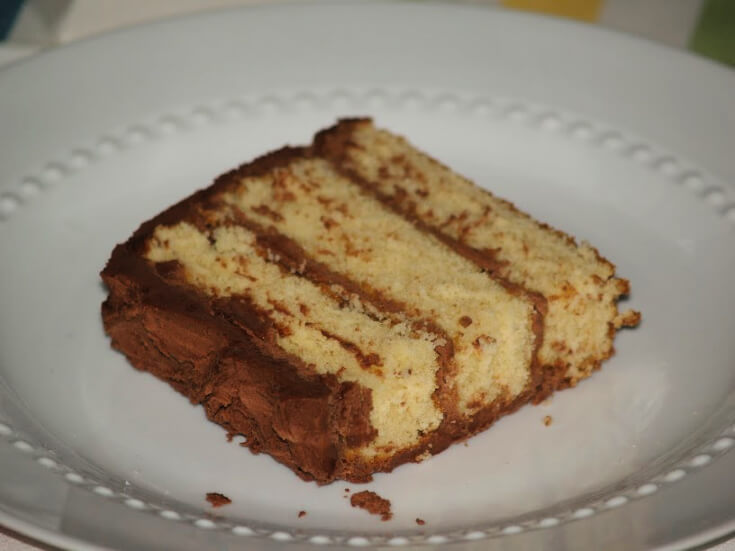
{"x": 466, "y": 444}
{"x": 465, "y": 321}
{"x": 372, "y": 503}
{"x": 420, "y": 521}
{"x": 302, "y": 514}
{"x": 217, "y": 499}
{"x": 547, "y": 420}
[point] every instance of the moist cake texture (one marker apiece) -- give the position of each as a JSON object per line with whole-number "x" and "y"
{"x": 354, "y": 305}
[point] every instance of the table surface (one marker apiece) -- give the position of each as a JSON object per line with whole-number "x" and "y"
{"x": 693, "y": 24}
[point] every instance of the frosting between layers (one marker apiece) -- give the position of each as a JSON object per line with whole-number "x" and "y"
{"x": 242, "y": 380}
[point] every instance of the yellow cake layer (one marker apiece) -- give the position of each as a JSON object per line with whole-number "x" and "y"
{"x": 402, "y": 373}
{"x": 579, "y": 285}
{"x": 338, "y": 224}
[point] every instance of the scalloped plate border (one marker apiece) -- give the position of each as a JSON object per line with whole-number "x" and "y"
{"x": 533, "y": 115}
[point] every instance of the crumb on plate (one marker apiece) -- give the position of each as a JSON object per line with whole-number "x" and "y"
{"x": 372, "y": 503}
{"x": 218, "y": 500}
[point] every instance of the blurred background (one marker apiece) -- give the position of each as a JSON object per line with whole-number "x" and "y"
{"x": 706, "y": 27}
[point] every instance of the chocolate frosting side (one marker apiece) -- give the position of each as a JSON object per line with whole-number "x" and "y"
{"x": 181, "y": 336}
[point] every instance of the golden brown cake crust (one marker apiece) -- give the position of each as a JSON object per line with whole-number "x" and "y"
{"x": 222, "y": 352}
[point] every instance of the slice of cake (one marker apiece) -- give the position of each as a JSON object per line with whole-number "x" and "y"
{"x": 306, "y": 304}
{"x": 579, "y": 285}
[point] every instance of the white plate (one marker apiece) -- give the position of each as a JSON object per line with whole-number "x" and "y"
{"x": 615, "y": 140}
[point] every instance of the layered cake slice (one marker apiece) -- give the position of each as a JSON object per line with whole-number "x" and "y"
{"x": 579, "y": 285}
{"x": 308, "y": 307}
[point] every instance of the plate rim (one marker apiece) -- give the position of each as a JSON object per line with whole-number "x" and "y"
{"x": 130, "y": 31}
